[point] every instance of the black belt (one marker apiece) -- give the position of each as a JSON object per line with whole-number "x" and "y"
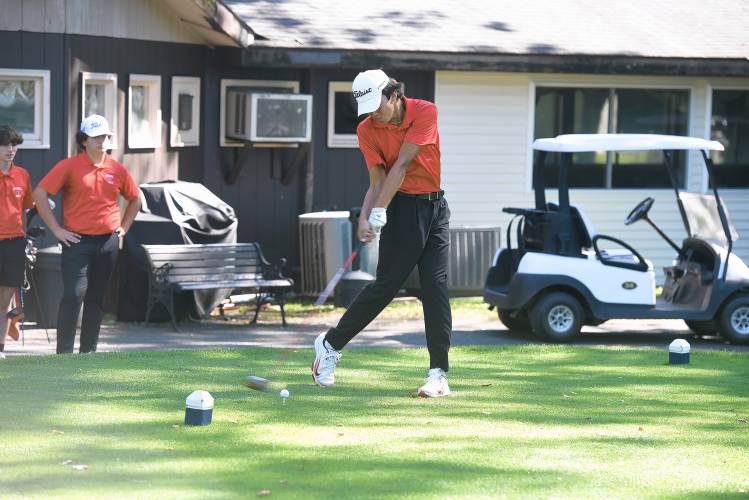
{"x": 424, "y": 196}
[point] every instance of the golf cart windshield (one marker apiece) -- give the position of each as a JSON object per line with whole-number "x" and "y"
{"x": 704, "y": 219}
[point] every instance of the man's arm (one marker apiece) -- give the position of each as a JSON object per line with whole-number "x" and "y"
{"x": 396, "y": 175}
{"x": 41, "y": 196}
{"x": 129, "y": 216}
{"x": 376, "y": 177}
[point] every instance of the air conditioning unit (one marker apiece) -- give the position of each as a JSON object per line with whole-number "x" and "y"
{"x": 324, "y": 243}
{"x": 471, "y": 252}
{"x": 265, "y": 117}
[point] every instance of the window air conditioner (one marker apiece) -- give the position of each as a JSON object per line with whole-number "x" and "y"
{"x": 256, "y": 117}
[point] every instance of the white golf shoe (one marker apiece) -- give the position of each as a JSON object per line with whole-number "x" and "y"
{"x": 326, "y": 359}
{"x": 435, "y": 384}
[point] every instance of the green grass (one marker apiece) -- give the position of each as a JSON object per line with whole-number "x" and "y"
{"x": 523, "y": 422}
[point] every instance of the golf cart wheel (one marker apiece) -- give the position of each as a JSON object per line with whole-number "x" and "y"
{"x": 557, "y": 316}
{"x": 734, "y": 320}
{"x": 515, "y": 321}
{"x": 708, "y": 327}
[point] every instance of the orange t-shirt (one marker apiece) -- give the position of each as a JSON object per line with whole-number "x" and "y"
{"x": 90, "y": 193}
{"x": 380, "y": 144}
{"x": 15, "y": 196}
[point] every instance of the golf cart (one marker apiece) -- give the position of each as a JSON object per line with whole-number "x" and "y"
{"x": 561, "y": 274}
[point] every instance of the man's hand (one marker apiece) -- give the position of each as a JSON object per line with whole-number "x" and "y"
{"x": 66, "y": 237}
{"x": 377, "y": 218}
{"x": 121, "y": 235}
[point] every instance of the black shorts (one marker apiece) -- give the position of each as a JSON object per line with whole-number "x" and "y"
{"x": 12, "y": 261}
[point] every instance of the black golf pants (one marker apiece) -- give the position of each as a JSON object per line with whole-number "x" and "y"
{"x": 86, "y": 269}
{"x": 416, "y": 234}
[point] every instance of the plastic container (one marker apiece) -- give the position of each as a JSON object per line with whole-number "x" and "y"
{"x": 678, "y": 352}
{"x": 199, "y": 408}
{"x": 350, "y": 285}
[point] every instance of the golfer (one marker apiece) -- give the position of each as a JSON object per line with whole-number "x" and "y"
{"x": 91, "y": 184}
{"x": 15, "y": 197}
{"x": 400, "y": 144}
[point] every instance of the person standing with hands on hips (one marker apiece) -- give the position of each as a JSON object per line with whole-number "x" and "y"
{"x": 15, "y": 198}
{"x": 400, "y": 144}
{"x": 92, "y": 231}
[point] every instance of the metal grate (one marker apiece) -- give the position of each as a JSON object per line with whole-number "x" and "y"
{"x": 471, "y": 252}
{"x": 312, "y": 247}
{"x": 324, "y": 243}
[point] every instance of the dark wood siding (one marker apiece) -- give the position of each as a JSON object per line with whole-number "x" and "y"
{"x": 266, "y": 201}
{"x": 44, "y": 51}
{"x": 125, "y": 57}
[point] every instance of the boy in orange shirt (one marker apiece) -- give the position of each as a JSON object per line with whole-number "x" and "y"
{"x": 91, "y": 184}
{"x": 401, "y": 148}
{"x": 15, "y": 198}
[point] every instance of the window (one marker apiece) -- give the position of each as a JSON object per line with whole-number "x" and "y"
{"x": 99, "y": 97}
{"x": 144, "y": 112}
{"x": 185, "y": 122}
{"x": 729, "y": 125}
{"x": 568, "y": 110}
{"x": 25, "y": 105}
{"x": 342, "y": 119}
{"x": 260, "y": 86}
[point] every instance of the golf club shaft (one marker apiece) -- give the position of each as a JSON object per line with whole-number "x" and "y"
{"x": 337, "y": 277}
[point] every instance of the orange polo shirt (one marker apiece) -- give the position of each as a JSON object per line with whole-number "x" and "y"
{"x": 380, "y": 144}
{"x": 15, "y": 196}
{"x": 90, "y": 193}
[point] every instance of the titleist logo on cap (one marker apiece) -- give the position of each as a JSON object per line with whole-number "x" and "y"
{"x": 359, "y": 93}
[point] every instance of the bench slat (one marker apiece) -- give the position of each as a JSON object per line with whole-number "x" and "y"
{"x": 235, "y": 284}
{"x": 207, "y": 264}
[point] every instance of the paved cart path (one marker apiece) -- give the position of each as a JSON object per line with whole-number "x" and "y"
{"x": 381, "y": 333}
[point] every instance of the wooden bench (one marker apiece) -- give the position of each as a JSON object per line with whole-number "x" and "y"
{"x": 177, "y": 268}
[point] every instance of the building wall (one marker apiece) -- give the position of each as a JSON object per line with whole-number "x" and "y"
{"x": 486, "y": 127}
{"x": 125, "y": 57}
{"x": 21, "y": 50}
{"x": 134, "y": 19}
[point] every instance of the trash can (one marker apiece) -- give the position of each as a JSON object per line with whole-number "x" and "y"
{"x": 356, "y": 278}
{"x": 368, "y": 256}
{"x": 43, "y": 300}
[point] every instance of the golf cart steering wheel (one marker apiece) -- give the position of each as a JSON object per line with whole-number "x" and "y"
{"x": 640, "y": 211}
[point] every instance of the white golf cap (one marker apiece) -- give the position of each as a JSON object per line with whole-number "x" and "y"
{"x": 367, "y": 89}
{"x": 95, "y": 125}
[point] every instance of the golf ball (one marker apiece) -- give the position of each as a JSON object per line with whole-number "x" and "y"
{"x": 284, "y": 393}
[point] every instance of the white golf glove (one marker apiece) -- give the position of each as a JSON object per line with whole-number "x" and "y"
{"x": 377, "y": 218}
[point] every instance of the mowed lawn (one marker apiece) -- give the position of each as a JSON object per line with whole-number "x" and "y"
{"x": 523, "y": 422}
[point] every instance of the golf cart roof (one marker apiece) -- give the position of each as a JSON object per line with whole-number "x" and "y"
{"x": 576, "y": 143}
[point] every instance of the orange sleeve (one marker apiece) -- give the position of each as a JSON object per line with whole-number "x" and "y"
{"x": 28, "y": 201}
{"x": 423, "y": 131}
{"x": 128, "y": 189}
{"x": 372, "y": 155}
{"x": 55, "y": 178}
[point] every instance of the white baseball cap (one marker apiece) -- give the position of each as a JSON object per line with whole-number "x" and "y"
{"x": 95, "y": 125}
{"x": 367, "y": 89}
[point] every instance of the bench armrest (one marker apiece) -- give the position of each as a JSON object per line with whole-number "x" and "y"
{"x": 274, "y": 271}
{"x": 161, "y": 273}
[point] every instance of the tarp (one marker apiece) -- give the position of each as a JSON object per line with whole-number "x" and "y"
{"x": 173, "y": 212}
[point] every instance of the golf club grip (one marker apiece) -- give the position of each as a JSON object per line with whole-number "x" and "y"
{"x": 337, "y": 277}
